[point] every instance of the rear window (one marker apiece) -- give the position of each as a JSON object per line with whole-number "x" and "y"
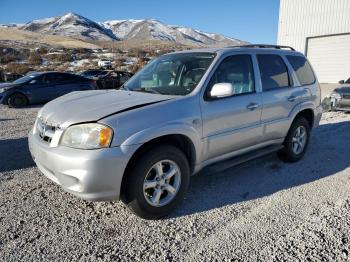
{"x": 273, "y": 71}
{"x": 303, "y": 69}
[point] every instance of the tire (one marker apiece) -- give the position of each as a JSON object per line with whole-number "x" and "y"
{"x": 294, "y": 147}
{"x": 156, "y": 201}
{"x": 17, "y": 100}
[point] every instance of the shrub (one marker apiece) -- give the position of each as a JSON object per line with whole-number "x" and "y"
{"x": 8, "y": 58}
{"x": 119, "y": 62}
{"x": 136, "y": 52}
{"x": 18, "y": 68}
{"x": 34, "y": 59}
{"x": 136, "y": 66}
{"x": 42, "y": 50}
{"x": 64, "y": 57}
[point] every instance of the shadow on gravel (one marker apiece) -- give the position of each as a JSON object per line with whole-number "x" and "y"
{"x": 33, "y": 106}
{"x": 328, "y": 153}
{"x": 14, "y": 154}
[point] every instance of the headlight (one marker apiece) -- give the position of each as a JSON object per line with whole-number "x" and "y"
{"x": 336, "y": 95}
{"x": 87, "y": 136}
{"x": 2, "y": 90}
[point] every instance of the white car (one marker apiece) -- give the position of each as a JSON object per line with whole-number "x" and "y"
{"x": 105, "y": 63}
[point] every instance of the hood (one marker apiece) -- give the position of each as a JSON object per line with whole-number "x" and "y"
{"x": 8, "y": 85}
{"x": 89, "y": 106}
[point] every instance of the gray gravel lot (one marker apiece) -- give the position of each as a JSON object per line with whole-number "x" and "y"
{"x": 263, "y": 210}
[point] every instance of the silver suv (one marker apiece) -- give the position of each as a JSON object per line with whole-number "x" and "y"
{"x": 180, "y": 113}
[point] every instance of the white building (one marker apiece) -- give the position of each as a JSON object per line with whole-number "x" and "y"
{"x": 321, "y": 30}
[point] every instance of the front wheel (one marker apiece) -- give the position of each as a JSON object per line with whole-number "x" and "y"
{"x": 296, "y": 142}
{"x": 158, "y": 183}
{"x": 17, "y": 101}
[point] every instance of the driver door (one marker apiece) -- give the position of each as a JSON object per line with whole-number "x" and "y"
{"x": 37, "y": 89}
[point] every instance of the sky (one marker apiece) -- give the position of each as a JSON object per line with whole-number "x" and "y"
{"x": 255, "y": 21}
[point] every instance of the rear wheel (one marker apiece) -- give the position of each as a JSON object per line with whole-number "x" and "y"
{"x": 158, "y": 183}
{"x": 296, "y": 142}
{"x": 17, "y": 101}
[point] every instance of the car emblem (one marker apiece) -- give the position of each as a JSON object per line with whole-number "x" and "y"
{"x": 43, "y": 130}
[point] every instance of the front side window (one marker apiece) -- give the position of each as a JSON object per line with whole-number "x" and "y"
{"x": 302, "y": 69}
{"x": 173, "y": 74}
{"x": 273, "y": 72}
{"x": 238, "y": 71}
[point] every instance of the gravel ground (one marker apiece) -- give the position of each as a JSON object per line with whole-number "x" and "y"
{"x": 263, "y": 210}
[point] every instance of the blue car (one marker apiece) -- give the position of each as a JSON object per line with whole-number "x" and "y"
{"x": 42, "y": 87}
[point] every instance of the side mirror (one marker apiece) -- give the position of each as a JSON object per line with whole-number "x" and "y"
{"x": 341, "y": 82}
{"x": 221, "y": 90}
{"x": 32, "y": 82}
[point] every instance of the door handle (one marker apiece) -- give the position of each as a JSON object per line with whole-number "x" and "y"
{"x": 252, "y": 106}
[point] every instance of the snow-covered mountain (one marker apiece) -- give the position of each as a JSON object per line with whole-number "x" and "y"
{"x": 77, "y": 26}
{"x": 152, "y": 29}
{"x": 71, "y": 25}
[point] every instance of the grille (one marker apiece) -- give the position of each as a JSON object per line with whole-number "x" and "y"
{"x": 45, "y": 131}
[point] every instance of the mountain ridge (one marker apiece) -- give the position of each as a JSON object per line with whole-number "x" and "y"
{"x": 80, "y": 27}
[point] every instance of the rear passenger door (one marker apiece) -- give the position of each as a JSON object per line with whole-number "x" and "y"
{"x": 279, "y": 95}
{"x": 45, "y": 88}
{"x": 64, "y": 84}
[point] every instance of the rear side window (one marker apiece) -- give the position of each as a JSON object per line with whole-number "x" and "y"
{"x": 52, "y": 78}
{"x": 273, "y": 72}
{"x": 303, "y": 69}
{"x": 68, "y": 78}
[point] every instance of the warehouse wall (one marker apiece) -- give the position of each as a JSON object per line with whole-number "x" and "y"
{"x": 299, "y": 19}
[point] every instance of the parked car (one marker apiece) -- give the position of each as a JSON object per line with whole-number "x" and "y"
{"x": 93, "y": 73}
{"x": 179, "y": 114}
{"x": 340, "y": 98}
{"x": 345, "y": 82}
{"x": 112, "y": 79}
{"x": 107, "y": 79}
{"x": 104, "y": 63}
{"x": 42, "y": 87}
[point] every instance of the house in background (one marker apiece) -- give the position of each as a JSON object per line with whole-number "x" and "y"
{"x": 321, "y": 30}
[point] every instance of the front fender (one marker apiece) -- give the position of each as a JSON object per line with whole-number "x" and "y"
{"x": 151, "y": 133}
{"x": 7, "y": 94}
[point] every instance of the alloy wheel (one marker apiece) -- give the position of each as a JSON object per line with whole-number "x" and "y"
{"x": 162, "y": 182}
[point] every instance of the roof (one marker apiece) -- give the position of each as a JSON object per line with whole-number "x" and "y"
{"x": 247, "y": 48}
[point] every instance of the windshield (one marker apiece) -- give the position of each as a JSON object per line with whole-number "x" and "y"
{"x": 173, "y": 74}
{"x": 24, "y": 79}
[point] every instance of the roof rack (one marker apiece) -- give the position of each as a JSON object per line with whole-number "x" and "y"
{"x": 264, "y": 46}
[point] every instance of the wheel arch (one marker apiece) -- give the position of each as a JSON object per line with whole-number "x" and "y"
{"x": 16, "y": 92}
{"x": 308, "y": 114}
{"x": 181, "y": 141}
